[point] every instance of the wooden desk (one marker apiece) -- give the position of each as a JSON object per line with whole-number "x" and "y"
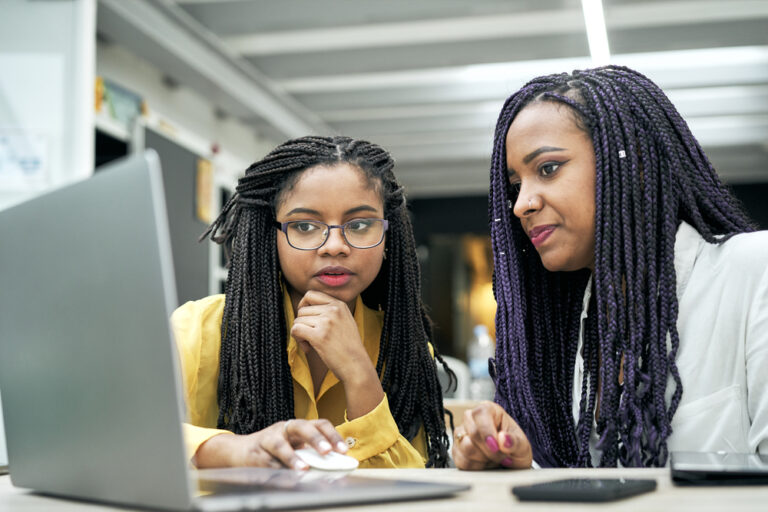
{"x": 489, "y": 493}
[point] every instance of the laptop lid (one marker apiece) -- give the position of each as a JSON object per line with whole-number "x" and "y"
{"x": 86, "y": 367}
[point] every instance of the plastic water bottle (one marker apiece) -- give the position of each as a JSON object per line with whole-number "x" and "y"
{"x": 481, "y": 347}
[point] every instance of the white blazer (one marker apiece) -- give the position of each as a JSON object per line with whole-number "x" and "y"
{"x": 722, "y": 291}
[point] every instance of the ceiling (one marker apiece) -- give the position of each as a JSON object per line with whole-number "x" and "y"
{"x": 426, "y": 78}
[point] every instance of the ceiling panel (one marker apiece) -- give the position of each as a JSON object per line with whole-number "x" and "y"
{"x": 426, "y": 78}
{"x": 422, "y": 56}
{"x": 686, "y": 37}
{"x": 227, "y": 18}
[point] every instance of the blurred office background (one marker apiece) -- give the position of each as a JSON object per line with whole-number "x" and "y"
{"x": 212, "y": 85}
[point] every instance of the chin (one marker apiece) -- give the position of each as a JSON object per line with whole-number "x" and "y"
{"x": 338, "y": 293}
{"x": 555, "y": 265}
{"x": 561, "y": 259}
{"x": 550, "y": 263}
{"x": 553, "y": 268}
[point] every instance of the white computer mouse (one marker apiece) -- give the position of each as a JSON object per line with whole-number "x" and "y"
{"x": 332, "y": 461}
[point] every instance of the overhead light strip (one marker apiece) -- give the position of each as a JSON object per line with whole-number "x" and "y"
{"x": 594, "y": 19}
{"x": 742, "y": 64}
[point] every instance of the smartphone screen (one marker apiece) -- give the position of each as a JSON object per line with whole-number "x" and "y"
{"x": 584, "y": 489}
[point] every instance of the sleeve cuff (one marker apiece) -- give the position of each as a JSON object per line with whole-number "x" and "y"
{"x": 195, "y": 436}
{"x": 371, "y": 434}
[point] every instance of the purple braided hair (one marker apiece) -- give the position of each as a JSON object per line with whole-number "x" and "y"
{"x": 651, "y": 174}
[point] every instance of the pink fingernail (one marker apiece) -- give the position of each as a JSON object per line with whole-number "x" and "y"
{"x": 492, "y": 444}
{"x": 507, "y": 441}
{"x": 300, "y": 465}
{"x": 506, "y": 462}
{"x": 342, "y": 447}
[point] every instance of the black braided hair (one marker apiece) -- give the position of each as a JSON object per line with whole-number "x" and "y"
{"x": 255, "y": 386}
{"x": 651, "y": 174}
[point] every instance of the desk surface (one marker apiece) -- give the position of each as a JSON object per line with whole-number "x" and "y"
{"x": 490, "y": 492}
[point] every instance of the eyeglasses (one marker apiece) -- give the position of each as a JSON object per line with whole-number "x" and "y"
{"x": 307, "y": 235}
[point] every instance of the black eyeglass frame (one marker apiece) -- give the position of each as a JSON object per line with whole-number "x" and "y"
{"x": 283, "y": 226}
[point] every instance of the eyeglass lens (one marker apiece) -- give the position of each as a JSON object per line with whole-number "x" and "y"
{"x": 359, "y": 233}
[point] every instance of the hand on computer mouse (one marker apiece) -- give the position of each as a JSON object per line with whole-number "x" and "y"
{"x": 331, "y": 461}
{"x": 274, "y": 446}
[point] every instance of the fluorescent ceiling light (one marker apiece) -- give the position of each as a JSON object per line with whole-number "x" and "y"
{"x": 675, "y": 69}
{"x": 596, "y": 33}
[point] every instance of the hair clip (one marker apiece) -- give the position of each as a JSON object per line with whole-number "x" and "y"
{"x": 509, "y": 204}
{"x": 496, "y": 220}
{"x": 622, "y": 154}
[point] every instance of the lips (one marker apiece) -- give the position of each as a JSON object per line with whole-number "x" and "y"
{"x": 334, "y": 276}
{"x": 539, "y": 234}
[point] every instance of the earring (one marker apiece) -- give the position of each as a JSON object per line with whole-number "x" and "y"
{"x": 385, "y": 253}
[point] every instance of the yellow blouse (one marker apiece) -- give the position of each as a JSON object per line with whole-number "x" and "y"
{"x": 373, "y": 439}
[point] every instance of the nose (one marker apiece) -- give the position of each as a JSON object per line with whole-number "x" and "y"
{"x": 527, "y": 203}
{"x": 336, "y": 244}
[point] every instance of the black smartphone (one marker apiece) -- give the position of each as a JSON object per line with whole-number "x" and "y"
{"x": 720, "y": 468}
{"x": 584, "y": 489}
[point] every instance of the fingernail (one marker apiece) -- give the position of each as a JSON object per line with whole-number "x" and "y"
{"x": 300, "y": 465}
{"x": 324, "y": 446}
{"x": 506, "y": 462}
{"x": 507, "y": 441}
{"x": 492, "y": 444}
{"x": 341, "y": 447}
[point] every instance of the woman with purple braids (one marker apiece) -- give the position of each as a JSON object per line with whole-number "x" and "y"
{"x": 632, "y": 289}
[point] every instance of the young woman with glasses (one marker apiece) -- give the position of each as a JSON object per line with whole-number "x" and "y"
{"x": 321, "y": 338}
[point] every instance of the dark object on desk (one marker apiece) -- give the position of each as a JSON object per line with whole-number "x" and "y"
{"x": 720, "y": 468}
{"x": 583, "y": 489}
{"x": 3, "y": 470}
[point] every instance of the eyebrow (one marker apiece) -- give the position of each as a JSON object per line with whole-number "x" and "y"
{"x": 543, "y": 149}
{"x": 533, "y": 154}
{"x": 356, "y": 209}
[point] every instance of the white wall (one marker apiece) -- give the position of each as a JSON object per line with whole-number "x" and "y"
{"x": 47, "y": 55}
{"x": 181, "y": 113}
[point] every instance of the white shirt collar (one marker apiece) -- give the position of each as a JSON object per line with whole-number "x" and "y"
{"x": 688, "y": 245}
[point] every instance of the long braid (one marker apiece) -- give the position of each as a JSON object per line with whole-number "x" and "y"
{"x": 255, "y": 386}
{"x": 651, "y": 174}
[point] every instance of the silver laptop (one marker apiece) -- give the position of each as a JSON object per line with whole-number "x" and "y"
{"x": 88, "y": 371}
